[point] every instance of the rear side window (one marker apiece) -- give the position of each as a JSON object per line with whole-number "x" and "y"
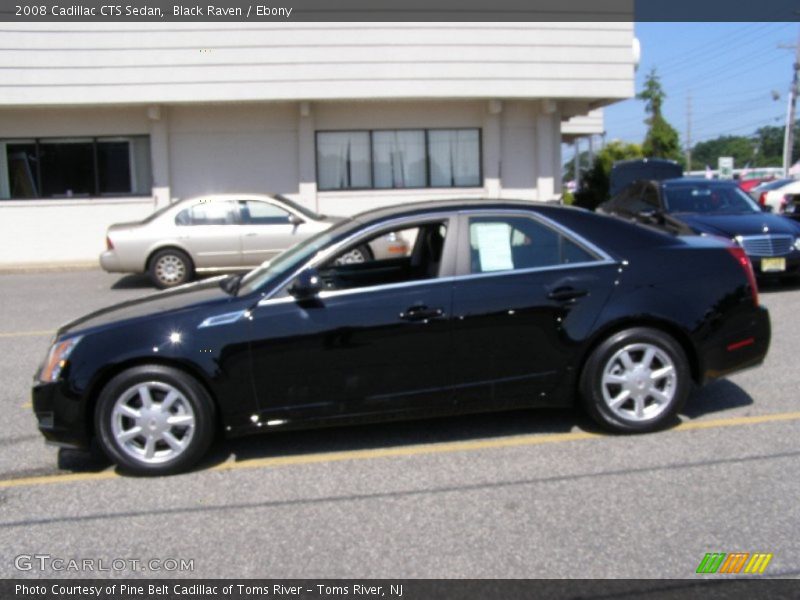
{"x": 513, "y": 243}
{"x": 208, "y": 213}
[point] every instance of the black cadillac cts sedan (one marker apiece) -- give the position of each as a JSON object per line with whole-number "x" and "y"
{"x": 495, "y": 305}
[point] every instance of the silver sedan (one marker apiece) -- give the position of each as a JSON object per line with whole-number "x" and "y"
{"x": 221, "y": 232}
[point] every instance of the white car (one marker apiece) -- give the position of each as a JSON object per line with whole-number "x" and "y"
{"x": 781, "y": 198}
{"x": 222, "y": 232}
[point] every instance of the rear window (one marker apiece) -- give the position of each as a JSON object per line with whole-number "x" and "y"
{"x": 608, "y": 233}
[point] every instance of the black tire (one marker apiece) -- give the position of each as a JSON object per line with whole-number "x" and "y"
{"x": 645, "y": 401}
{"x": 170, "y": 267}
{"x": 191, "y": 399}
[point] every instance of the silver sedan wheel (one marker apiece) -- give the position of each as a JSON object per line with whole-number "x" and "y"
{"x": 153, "y": 422}
{"x": 639, "y": 382}
{"x": 170, "y": 269}
{"x": 354, "y": 256}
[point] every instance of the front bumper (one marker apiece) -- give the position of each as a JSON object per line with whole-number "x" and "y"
{"x": 60, "y": 416}
{"x": 791, "y": 264}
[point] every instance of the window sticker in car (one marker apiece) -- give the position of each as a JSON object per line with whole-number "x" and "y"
{"x": 494, "y": 246}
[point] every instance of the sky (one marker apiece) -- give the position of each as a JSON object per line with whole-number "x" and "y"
{"x": 730, "y": 70}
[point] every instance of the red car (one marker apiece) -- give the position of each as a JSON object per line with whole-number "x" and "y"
{"x": 749, "y": 184}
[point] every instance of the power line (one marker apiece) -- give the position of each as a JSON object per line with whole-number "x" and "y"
{"x": 725, "y": 50}
{"x": 724, "y": 38}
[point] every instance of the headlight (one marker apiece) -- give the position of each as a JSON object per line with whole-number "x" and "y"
{"x": 797, "y": 244}
{"x": 57, "y": 358}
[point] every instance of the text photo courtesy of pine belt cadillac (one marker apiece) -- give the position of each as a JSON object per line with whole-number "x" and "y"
{"x": 494, "y": 299}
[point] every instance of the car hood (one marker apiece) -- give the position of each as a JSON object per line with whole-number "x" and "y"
{"x": 187, "y": 296}
{"x": 731, "y": 225}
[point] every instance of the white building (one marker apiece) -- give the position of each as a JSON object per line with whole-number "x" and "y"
{"x": 102, "y": 122}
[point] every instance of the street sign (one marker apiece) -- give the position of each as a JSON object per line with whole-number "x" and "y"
{"x": 725, "y": 167}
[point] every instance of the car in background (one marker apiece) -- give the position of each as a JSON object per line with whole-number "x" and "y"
{"x": 499, "y": 305}
{"x": 625, "y": 172}
{"x": 688, "y": 206}
{"x": 747, "y": 185}
{"x": 779, "y": 196}
{"x": 221, "y": 232}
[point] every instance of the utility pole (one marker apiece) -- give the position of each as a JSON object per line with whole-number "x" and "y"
{"x": 788, "y": 137}
{"x": 689, "y": 131}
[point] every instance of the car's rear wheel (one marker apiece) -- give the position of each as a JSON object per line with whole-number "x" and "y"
{"x": 170, "y": 267}
{"x": 154, "y": 420}
{"x": 636, "y": 380}
{"x": 360, "y": 254}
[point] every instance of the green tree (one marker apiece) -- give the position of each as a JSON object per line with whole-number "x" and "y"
{"x": 741, "y": 148}
{"x": 769, "y": 145}
{"x": 764, "y": 148}
{"x": 661, "y": 140}
{"x": 595, "y": 182}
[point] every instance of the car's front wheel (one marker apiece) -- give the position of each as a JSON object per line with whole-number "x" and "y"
{"x": 636, "y": 380}
{"x": 154, "y": 420}
{"x": 170, "y": 267}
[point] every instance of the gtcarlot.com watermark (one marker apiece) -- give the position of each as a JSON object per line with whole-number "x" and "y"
{"x": 60, "y": 564}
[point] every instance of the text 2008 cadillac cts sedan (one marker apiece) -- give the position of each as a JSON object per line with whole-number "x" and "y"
{"x": 496, "y": 305}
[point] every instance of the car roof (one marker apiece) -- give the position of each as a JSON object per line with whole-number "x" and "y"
{"x": 455, "y": 205}
{"x": 229, "y": 196}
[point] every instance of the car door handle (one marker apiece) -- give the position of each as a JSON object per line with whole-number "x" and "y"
{"x": 250, "y": 234}
{"x": 421, "y": 313}
{"x": 567, "y": 294}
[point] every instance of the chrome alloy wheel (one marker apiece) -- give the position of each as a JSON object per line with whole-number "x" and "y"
{"x": 356, "y": 255}
{"x": 170, "y": 269}
{"x": 639, "y": 382}
{"x": 152, "y": 422}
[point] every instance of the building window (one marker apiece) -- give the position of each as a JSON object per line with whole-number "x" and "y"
{"x": 343, "y": 160}
{"x": 398, "y": 159}
{"x": 74, "y": 167}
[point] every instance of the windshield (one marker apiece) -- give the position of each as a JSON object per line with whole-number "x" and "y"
{"x": 288, "y": 260}
{"x": 707, "y": 198}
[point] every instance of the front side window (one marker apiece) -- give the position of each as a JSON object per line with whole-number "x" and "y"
{"x": 506, "y": 243}
{"x": 75, "y": 167}
{"x": 410, "y": 254}
{"x": 398, "y": 159}
{"x": 263, "y": 213}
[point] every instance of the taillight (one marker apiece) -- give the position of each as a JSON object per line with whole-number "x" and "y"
{"x": 762, "y": 199}
{"x": 744, "y": 262}
{"x": 109, "y": 243}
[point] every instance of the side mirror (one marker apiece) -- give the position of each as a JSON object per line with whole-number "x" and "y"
{"x": 295, "y": 220}
{"x": 306, "y": 285}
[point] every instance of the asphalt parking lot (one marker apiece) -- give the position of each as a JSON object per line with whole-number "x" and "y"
{"x": 515, "y": 495}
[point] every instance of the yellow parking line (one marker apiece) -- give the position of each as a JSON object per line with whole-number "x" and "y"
{"x": 13, "y": 334}
{"x": 417, "y": 450}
